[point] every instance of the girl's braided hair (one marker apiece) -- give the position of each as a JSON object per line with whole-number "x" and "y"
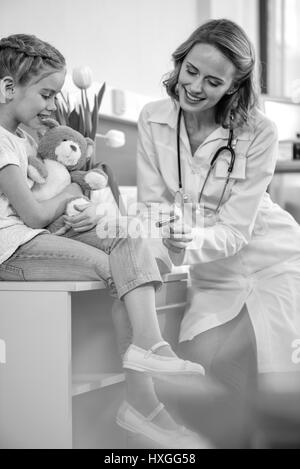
{"x": 23, "y": 56}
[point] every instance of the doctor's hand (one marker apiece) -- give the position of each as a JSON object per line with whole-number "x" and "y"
{"x": 180, "y": 235}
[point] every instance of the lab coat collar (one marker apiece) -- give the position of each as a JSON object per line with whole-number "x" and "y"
{"x": 166, "y": 112}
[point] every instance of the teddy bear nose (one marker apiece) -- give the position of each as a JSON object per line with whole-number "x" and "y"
{"x": 73, "y": 147}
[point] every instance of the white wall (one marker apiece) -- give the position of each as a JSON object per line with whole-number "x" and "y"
{"x": 127, "y": 43}
{"x": 245, "y": 13}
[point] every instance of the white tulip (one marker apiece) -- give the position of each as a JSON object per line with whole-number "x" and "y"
{"x": 82, "y": 77}
{"x": 113, "y": 138}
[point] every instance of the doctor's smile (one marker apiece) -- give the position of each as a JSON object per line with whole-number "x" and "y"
{"x": 192, "y": 98}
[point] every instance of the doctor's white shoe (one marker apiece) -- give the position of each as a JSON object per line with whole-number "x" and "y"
{"x": 132, "y": 420}
{"x": 147, "y": 361}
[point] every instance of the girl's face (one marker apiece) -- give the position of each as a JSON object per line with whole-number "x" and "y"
{"x": 36, "y": 100}
{"x": 206, "y": 75}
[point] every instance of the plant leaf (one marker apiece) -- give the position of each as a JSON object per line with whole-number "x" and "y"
{"x": 68, "y": 103}
{"x": 94, "y": 118}
{"x": 87, "y": 116}
{"x": 81, "y": 124}
{"x": 66, "y": 115}
{"x": 100, "y": 95}
{"x": 58, "y": 113}
{"x": 74, "y": 120}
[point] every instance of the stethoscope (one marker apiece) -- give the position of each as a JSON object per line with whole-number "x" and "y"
{"x": 180, "y": 197}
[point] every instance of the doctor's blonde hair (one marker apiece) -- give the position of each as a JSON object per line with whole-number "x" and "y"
{"x": 231, "y": 40}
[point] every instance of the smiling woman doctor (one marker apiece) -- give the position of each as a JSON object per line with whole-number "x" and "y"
{"x": 243, "y": 307}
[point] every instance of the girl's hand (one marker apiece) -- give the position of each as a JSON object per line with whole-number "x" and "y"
{"x": 85, "y": 220}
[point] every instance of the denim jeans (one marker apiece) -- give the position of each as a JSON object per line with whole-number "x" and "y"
{"x": 123, "y": 263}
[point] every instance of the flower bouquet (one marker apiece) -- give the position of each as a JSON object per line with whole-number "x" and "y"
{"x": 82, "y": 117}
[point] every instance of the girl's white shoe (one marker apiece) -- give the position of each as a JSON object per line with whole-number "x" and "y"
{"x": 182, "y": 438}
{"x": 147, "y": 361}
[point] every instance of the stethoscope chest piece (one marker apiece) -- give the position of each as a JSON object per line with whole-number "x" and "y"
{"x": 180, "y": 199}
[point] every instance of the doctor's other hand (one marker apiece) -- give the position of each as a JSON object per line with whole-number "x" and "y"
{"x": 85, "y": 220}
{"x": 180, "y": 235}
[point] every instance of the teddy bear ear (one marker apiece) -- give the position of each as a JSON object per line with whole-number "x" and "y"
{"x": 47, "y": 125}
{"x": 50, "y": 123}
{"x": 90, "y": 147}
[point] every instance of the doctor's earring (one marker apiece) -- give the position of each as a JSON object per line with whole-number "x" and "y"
{"x": 176, "y": 89}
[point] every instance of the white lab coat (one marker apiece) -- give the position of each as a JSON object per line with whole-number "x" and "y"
{"x": 248, "y": 253}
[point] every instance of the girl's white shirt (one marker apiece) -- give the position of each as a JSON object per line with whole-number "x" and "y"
{"x": 13, "y": 232}
{"x": 249, "y": 252}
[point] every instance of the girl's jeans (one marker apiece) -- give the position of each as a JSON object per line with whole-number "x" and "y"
{"x": 123, "y": 263}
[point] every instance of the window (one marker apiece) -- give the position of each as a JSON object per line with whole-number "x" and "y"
{"x": 280, "y": 20}
{"x": 285, "y": 114}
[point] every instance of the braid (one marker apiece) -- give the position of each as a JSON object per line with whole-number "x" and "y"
{"x": 19, "y": 46}
{"x": 23, "y": 56}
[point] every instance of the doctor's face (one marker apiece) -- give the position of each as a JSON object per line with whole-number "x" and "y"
{"x": 206, "y": 75}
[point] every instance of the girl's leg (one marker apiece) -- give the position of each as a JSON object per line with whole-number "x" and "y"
{"x": 48, "y": 257}
{"x": 140, "y": 390}
{"x": 136, "y": 275}
{"x": 131, "y": 261}
{"x": 140, "y": 304}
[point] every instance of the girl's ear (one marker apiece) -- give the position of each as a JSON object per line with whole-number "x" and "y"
{"x": 7, "y": 89}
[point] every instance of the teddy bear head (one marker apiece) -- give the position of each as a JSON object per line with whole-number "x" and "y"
{"x": 65, "y": 145}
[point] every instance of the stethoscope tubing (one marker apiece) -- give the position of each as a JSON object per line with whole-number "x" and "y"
{"x": 228, "y": 147}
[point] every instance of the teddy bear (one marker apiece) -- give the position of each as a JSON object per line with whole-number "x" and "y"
{"x": 63, "y": 156}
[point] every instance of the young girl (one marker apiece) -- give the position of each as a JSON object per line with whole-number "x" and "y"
{"x": 32, "y": 72}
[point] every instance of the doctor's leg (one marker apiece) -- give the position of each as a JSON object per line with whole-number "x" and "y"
{"x": 228, "y": 353}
